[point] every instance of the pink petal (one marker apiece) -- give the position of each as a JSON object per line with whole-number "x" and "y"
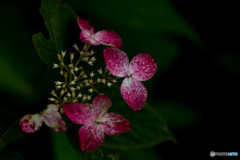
{"x": 100, "y": 105}
{"x": 54, "y": 120}
{"x": 116, "y": 61}
{"x": 91, "y": 137}
{"x": 83, "y": 24}
{"x": 108, "y": 38}
{"x": 31, "y": 123}
{"x": 79, "y": 113}
{"x": 87, "y": 37}
{"x": 142, "y": 67}
{"x": 52, "y": 107}
{"x": 134, "y": 93}
{"x": 113, "y": 123}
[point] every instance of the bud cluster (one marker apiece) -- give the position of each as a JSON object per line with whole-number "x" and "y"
{"x": 78, "y": 86}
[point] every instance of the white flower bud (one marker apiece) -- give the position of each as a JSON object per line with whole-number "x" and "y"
{"x": 114, "y": 81}
{"x": 75, "y": 47}
{"x": 100, "y": 71}
{"x": 89, "y": 97}
{"x": 109, "y": 84}
{"x": 92, "y": 74}
{"x": 65, "y": 99}
{"x": 63, "y": 53}
{"x": 90, "y": 63}
{"x": 72, "y": 82}
{"x": 58, "y": 83}
{"x": 99, "y": 80}
{"x": 84, "y": 98}
{"x": 51, "y": 99}
{"x": 79, "y": 95}
{"x": 93, "y": 59}
{"x": 68, "y": 94}
{"x": 76, "y": 69}
{"x": 72, "y": 89}
{"x": 55, "y": 65}
{"x": 85, "y": 76}
{"x": 103, "y": 81}
{"x": 62, "y": 92}
{"x": 90, "y": 90}
{"x": 92, "y": 52}
{"x": 71, "y": 56}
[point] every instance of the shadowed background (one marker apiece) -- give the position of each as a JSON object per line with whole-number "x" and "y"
{"x": 196, "y": 46}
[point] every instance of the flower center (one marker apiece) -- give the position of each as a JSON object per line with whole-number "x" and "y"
{"x": 97, "y": 121}
{"x": 129, "y": 75}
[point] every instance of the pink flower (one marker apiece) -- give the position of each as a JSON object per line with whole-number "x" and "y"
{"x": 141, "y": 68}
{"x": 31, "y": 123}
{"x": 96, "y": 121}
{"x": 50, "y": 116}
{"x": 105, "y": 37}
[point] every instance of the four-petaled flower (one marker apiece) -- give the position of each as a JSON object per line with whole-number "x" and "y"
{"x": 50, "y": 116}
{"x": 105, "y": 37}
{"x": 141, "y": 68}
{"x": 96, "y": 121}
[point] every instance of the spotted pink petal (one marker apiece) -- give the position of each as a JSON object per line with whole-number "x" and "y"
{"x": 52, "y": 107}
{"x": 142, "y": 67}
{"x": 91, "y": 137}
{"x": 83, "y": 24}
{"x": 79, "y": 113}
{"x": 87, "y": 37}
{"x": 31, "y": 123}
{"x": 108, "y": 38}
{"x": 116, "y": 61}
{"x": 113, "y": 123}
{"x": 134, "y": 93}
{"x": 54, "y": 120}
{"x": 100, "y": 105}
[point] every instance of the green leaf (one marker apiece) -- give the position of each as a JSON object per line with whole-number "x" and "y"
{"x": 139, "y": 154}
{"x": 67, "y": 146}
{"x": 229, "y": 62}
{"x": 177, "y": 115}
{"x": 57, "y": 17}
{"x": 19, "y": 67}
{"x": 11, "y": 79}
{"x": 9, "y": 128}
{"x": 10, "y": 155}
{"x": 148, "y": 128}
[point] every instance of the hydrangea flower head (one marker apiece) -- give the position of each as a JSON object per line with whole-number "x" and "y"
{"x": 96, "y": 121}
{"x": 105, "y": 37}
{"x": 50, "y": 116}
{"x": 141, "y": 68}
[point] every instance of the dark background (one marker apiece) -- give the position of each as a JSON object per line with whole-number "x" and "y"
{"x": 204, "y": 77}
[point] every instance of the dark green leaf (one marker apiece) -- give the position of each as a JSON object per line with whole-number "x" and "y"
{"x": 10, "y": 155}
{"x": 57, "y": 17}
{"x": 148, "y": 128}
{"x": 139, "y": 154}
{"x": 9, "y": 128}
{"x": 68, "y": 146}
{"x": 229, "y": 62}
{"x": 18, "y": 65}
{"x": 177, "y": 115}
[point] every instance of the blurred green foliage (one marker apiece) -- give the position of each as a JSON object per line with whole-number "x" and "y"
{"x": 178, "y": 115}
{"x": 57, "y": 18}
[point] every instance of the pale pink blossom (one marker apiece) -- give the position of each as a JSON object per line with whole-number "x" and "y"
{"x": 105, "y": 37}
{"x": 141, "y": 68}
{"x": 96, "y": 121}
{"x": 50, "y": 116}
